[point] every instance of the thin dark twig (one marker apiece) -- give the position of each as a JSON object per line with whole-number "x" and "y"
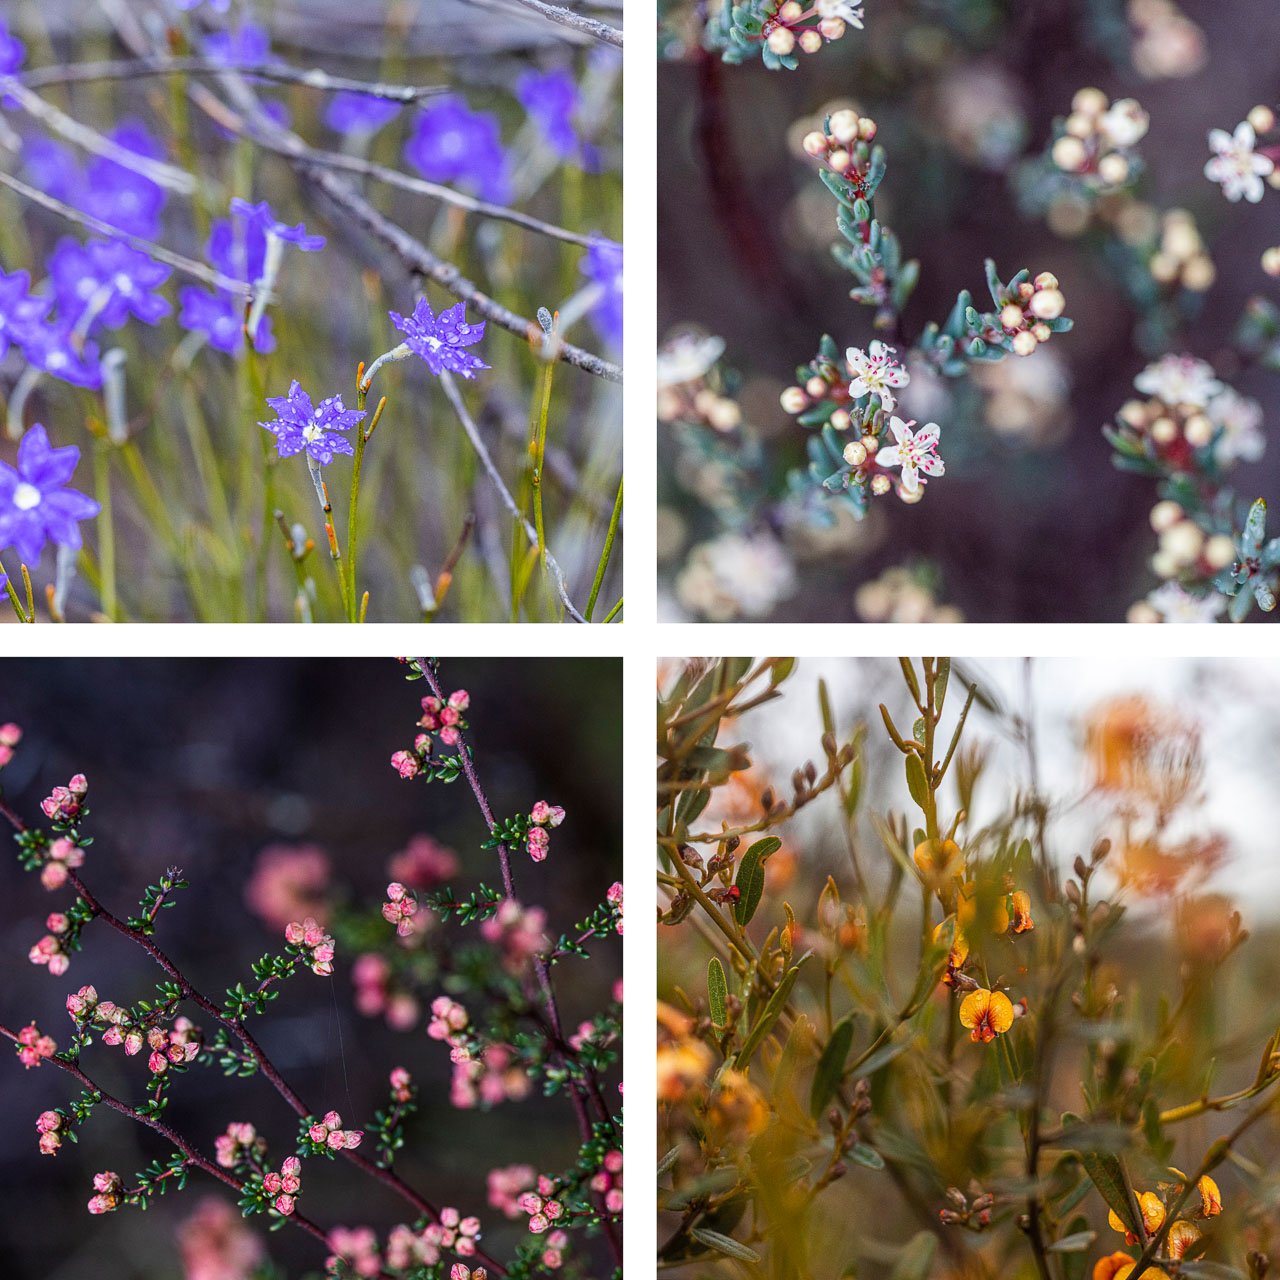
{"x": 577, "y": 1091}
{"x": 237, "y": 1028}
{"x": 188, "y": 266}
{"x": 282, "y": 73}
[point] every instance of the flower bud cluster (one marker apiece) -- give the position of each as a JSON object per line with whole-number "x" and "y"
{"x": 807, "y": 28}
{"x": 328, "y": 1134}
{"x": 1098, "y": 138}
{"x": 400, "y": 909}
{"x": 308, "y": 940}
{"x": 542, "y": 1206}
{"x": 32, "y": 1047}
{"x": 10, "y": 736}
{"x": 49, "y": 1125}
{"x": 240, "y": 1142}
{"x": 542, "y": 818}
{"x": 1026, "y": 311}
{"x": 1186, "y": 551}
{"x": 109, "y": 1188}
{"x": 284, "y": 1186}
{"x": 63, "y": 806}
{"x": 844, "y": 145}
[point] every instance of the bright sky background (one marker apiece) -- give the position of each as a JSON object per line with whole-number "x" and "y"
{"x": 1236, "y": 703}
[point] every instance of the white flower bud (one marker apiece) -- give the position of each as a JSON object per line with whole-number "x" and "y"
{"x": 844, "y": 126}
{"x": 1069, "y": 154}
{"x": 880, "y": 485}
{"x": 1164, "y": 431}
{"x": 1046, "y": 280}
{"x": 1198, "y": 430}
{"x": 854, "y": 454}
{"x": 794, "y": 400}
{"x": 1078, "y": 125}
{"x": 1263, "y": 119}
{"x": 870, "y": 443}
{"x": 1089, "y": 102}
{"x": 1041, "y": 332}
{"x": 1183, "y": 542}
{"x": 1011, "y": 317}
{"x": 840, "y": 420}
{"x": 1140, "y": 612}
{"x": 910, "y": 496}
{"x": 815, "y": 144}
{"x": 1048, "y": 304}
{"x": 1113, "y": 169}
{"x": 1271, "y": 261}
{"x": 867, "y": 128}
{"x": 831, "y": 28}
{"x": 1024, "y": 343}
{"x": 1163, "y": 565}
{"x": 1164, "y": 515}
{"x": 781, "y": 41}
{"x": 838, "y": 160}
{"x": 791, "y": 11}
{"x": 810, "y": 40}
{"x": 1219, "y": 551}
{"x": 1199, "y": 273}
{"x": 816, "y": 387}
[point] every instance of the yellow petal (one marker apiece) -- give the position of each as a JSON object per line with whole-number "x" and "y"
{"x": 1152, "y": 1211}
{"x": 1000, "y": 1015}
{"x": 1182, "y": 1235}
{"x": 973, "y": 1008}
{"x": 1210, "y": 1196}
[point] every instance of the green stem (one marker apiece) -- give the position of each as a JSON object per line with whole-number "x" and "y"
{"x": 605, "y": 553}
{"x": 613, "y": 613}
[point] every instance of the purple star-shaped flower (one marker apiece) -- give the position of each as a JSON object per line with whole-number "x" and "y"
{"x": 451, "y": 143}
{"x": 19, "y": 311}
{"x": 302, "y": 425}
{"x": 220, "y": 316}
{"x": 120, "y": 196}
{"x": 49, "y": 347}
{"x": 359, "y": 112}
{"x": 603, "y": 264}
{"x": 109, "y": 276}
{"x": 551, "y": 98}
{"x": 36, "y": 506}
{"x": 52, "y": 168}
{"x": 439, "y": 339}
{"x": 260, "y": 223}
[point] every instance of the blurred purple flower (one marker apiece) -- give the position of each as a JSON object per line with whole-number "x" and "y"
{"x": 36, "y": 506}
{"x": 439, "y": 339}
{"x": 259, "y": 219}
{"x": 119, "y": 195}
{"x": 218, "y": 6}
{"x": 112, "y": 278}
{"x": 359, "y": 113}
{"x": 50, "y": 347}
{"x": 52, "y": 168}
{"x": 451, "y": 143}
{"x": 13, "y": 52}
{"x": 220, "y": 316}
{"x": 302, "y": 425}
{"x": 249, "y": 46}
{"x": 551, "y": 98}
{"x": 19, "y": 311}
{"x": 603, "y": 265}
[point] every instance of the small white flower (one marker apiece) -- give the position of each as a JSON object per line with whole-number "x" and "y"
{"x": 687, "y": 357}
{"x": 846, "y": 10}
{"x": 1179, "y": 380}
{"x": 914, "y": 452}
{"x": 1124, "y": 123}
{"x": 736, "y": 576}
{"x": 1239, "y": 420}
{"x": 1173, "y": 604}
{"x": 1235, "y": 165}
{"x": 874, "y": 372}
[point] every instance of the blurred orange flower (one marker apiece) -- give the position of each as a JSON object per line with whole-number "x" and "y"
{"x": 986, "y": 1014}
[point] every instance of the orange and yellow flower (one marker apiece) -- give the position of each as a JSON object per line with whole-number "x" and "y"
{"x": 1152, "y": 1209}
{"x": 1119, "y": 1266}
{"x": 1182, "y": 1235}
{"x": 1210, "y": 1197}
{"x": 1021, "y": 903}
{"x": 986, "y": 1014}
{"x": 938, "y": 860}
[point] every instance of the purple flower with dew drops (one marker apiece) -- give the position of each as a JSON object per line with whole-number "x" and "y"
{"x": 301, "y": 425}
{"x": 451, "y": 143}
{"x": 52, "y": 348}
{"x": 220, "y": 317}
{"x": 359, "y": 113}
{"x": 19, "y": 310}
{"x": 602, "y": 264}
{"x": 551, "y": 98}
{"x": 440, "y": 339}
{"x": 36, "y": 504}
{"x": 105, "y": 282}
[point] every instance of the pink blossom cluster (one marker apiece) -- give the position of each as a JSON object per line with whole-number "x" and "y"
{"x": 401, "y": 1085}
{"x": 518, "y": 932}
{"x": 83, "y": 1004}
{"x": 64, "y": 855}
{"x": 445, "y": 718}
{"x": 357, "y": 1247}
{"x": 120, "y": 1028}
{"x": 177, "y": 1046}
{"x": 507, "y": 1184}
{"x": 542, "y": 1206}
{"x": 553, "y": 1249}
{"x": 492, "y": 1077}
{"x": 216, "y": 1244}
{"x": 330, "y": 1133}
{"x": 614, "y": 896}
{"x": 50, "y": 950}
{"x": 108, "y": 1186}
{"x": 590, "y": 1033}
{"x": 543, "y": 816}
{"x": 408, "y": 764}
{"x": 423, "y": 863}
{"x": 289, "y": 882}
{"x": 407, "y": 1248}
{"x": 317, "y": 946}
{"x": 284, "y": 1186}
{"x": 49, "y": 1127}
{"x": 400, "y": 909}
{"x": 448, "y": 1018}
{"x": 454, "y": 1232}
{"x": 10, "y": 736}
{"x": 240, "y": 1140}
{"x": 372, "y": 977}
{"x": 65, "y": 804}
{"x": 32, "y": 1047}
{"x": 608, "y": 1181}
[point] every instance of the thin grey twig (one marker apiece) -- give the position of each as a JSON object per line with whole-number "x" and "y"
{"x": 281, "y": 73}
{"x": 419, "y": 259}
{"x": 188, "y": 266}
{"x": 163, "y": 175}
{"x": 575, "y": 21}
{"x": 482, "y": 452}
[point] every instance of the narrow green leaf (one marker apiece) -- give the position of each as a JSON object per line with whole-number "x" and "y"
{"x": 866, "y": 1156}
{"x": 717, "y": 992}
{"x": 724, "y": 1244}
{"x": 768, "y": 1016}
{"x": 909, "y": 675}
{"x": 917, "y": 783}
{"x": 824, "y": 705}
{"x": 830, "y": 1068}
{"x": 1106, "y": 1171}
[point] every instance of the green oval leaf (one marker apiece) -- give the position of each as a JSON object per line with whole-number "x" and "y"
{"x": 750, "y": 879}
{"x": 724, "y": 1244}
{"x": 917, "y": 783}
{"x": 717, "y": 992}
{"x": 826, "y": 1077}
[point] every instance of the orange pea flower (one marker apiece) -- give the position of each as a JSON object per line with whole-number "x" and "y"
{"x": 986, "y": 1014}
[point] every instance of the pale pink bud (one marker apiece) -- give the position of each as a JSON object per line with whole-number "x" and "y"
{"x": 48, "y": 1122}
{"x": 158, "y": 1063}
{"x": 539, "y": 844}
{"x": 406, "y": 764}
{"x": 49, "y": 1144}
{"x": 459, "y": 699}
{"x": 10, "y": 735}
{"x": 285, "y": 1205}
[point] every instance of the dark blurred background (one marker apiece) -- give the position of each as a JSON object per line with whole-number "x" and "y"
{"x": 1021, "y": 528}
{"x": 202, "y": 763}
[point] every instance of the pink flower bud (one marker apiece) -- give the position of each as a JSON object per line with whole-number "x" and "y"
{"x": 48, "y": 1122}
{"x": 318, "y": 1133}
{"x": 158, "y": 1063}
{"x": 539, "y": 844}
{"x": 79, "y": 786}
{"x": 459, "y": 699}
{"x": 292, "y": 1166}
{"x": 285, "y": 1205}
{"x": 49, "y": 1143}
{"x": 10, "y": 735}
{"x": 406, "y": 764}
{"x": 57, "y": 922}
{"x": 133, "y": 1042}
